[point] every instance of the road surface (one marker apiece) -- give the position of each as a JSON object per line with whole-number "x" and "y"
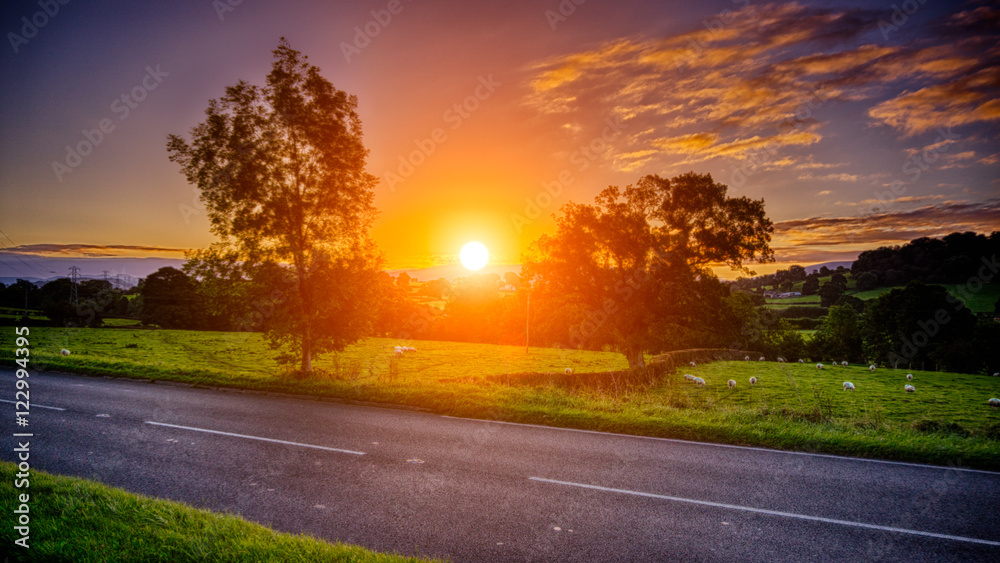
{"x": 422, "y": 484}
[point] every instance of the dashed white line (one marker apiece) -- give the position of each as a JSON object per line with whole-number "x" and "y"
{"x": 262, "y": 439}
{"x": 731, "y": 446}
{"x": 33, "y": 405}
{"x": 771, "y": 512}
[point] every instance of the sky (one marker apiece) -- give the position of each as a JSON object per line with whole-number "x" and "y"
{"x": 861, "y": 124}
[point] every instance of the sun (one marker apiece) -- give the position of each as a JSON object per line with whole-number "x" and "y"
{"x": 474, "y": 255}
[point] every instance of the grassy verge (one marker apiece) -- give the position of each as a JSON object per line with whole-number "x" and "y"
{"x": 793, "y": 406}
{"x": 78, "y": 520}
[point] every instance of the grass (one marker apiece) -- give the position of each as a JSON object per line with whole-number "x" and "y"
{"x": 795, "y": 407}
{"x": 980, "y": 301}
{"x": 82, "y": 521}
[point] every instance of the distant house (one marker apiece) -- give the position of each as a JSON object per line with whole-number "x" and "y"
{"x": 786, "y": 295}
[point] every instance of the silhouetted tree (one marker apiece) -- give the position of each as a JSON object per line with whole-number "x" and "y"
{"x": 281, "y": 169}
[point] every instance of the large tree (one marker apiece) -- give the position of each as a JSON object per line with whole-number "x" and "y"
{"x": 281, "y": 170}
{"x": 639, "y": 257}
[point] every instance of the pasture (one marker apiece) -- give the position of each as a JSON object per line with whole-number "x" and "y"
{"x": 793, "y": 406}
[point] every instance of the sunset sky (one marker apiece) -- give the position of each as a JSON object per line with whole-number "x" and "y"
{"x": 860, "y": 124}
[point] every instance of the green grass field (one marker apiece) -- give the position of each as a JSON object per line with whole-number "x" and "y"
{"x": 82, "y": 521}
{"x": 796, "y": 406}
{"x": 980, "y": 301}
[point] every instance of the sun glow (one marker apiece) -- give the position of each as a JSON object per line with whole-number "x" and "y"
{"x": 474, "y": 255}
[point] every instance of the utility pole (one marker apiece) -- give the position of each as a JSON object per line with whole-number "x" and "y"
{"x": 74, "y": 272}
{"x": 527, "y": 323}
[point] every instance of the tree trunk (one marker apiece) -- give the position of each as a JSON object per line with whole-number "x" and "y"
{"x": 635, "y": 359}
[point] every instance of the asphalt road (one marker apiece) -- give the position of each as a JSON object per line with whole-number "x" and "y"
{"x": 422, "y": 484}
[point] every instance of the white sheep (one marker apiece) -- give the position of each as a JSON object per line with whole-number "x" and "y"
{"x": 781, "y": 360}
{"x": 871, "y": 367}
{"x": 753, "y": 381}
{"x": 801, "y": 361}
{"x": 699, "y": 382}
{"x": 747, "y": 358}
{"x": 844, "y": 364}
{"x": 909, "y": 388}
{"x": 64, "y": 352}
{"x": 688, "y": 377}
{"x": 997, "y": 374}
{"x": 761, "y": 359}
{"x": 731, "y": 383}
{"x": 398, "y": 353}
{"x": 568, "y": 371}
{"x": 909, "y": 377}
{"x": 993, "y": 402}
{"x": 692, "y": 364}
{"x": 848, "y": 386}
{"x": 819, "y": 366}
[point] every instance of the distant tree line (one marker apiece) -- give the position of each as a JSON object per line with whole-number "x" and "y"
{"x": 956, "y": 258}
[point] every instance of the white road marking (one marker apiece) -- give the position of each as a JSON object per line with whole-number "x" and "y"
{"x": 714, "y": 445}
{"x": 33, "y": 405}
{"x": 219, "y": 432}
{"x": 771, "y": 512}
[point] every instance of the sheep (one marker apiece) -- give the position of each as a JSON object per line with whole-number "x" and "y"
{"x": 568, "y": 371}
{"x": 909, "y": 388}
{"x": 747, "y": 358}
{"x": 848, "y": 386}
{"x": 993, "y": 402}
{"x": 692, "y": 364}
{"x": 801, "y": 361}
{"x": 871, "y": 367}
{"x": 688, "y": 377}
{"x": 398, "y": 354}
{"x": 819, "y": 366}
{"x": 843, "y": 364}
{"x": 909, "y": 377}
{"x": 761, "y": 359}
{"x": 731, "y": 383}
{"x": 997, "y": 374}
{"x": 753, "y": 381}
{"x": 781, "y": 360}
{"x": 699, "y": 382}
{"x": 64, "y": 352}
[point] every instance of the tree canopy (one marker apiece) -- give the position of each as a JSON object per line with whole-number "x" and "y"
{"x": 281, "y": 171}
{"x": 638, "y": 258}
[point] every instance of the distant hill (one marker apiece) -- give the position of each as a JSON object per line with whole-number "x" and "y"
{"x": 830, "y": 265}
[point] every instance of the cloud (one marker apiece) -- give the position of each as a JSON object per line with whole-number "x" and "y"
{"x": 861, "y": 232}
{"x": 763, "y": 78}
{"x": 95, "y": 250}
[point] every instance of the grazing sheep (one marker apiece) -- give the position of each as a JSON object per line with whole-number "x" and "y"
{"x": 692, "y": 364}
{"x": 761, "y": 359}
{"x": 398, "y": 353}
{"x": 909, "y": 377}
{"x": 731, "y": 383}
{"x": 871, "y": 367}
{"x": 64, "y": 352}
{"x": 993, "y": 402}
{"x": 753, "y": 381}
{"x": 997, "y": 374}
{"x": 699, "y": 382}
{"x": 819, "y": 366}
{"x": 747, "y": 358}
{"x": 848, "y": 386}
{"x": 909, "y": 388}
{"x": 688, "y": 377}
{"x": 781, "y": 360}
{"x": 844, "y": 364}
{"x": 801, "y": 361}
{"x": 568, "y": 371}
